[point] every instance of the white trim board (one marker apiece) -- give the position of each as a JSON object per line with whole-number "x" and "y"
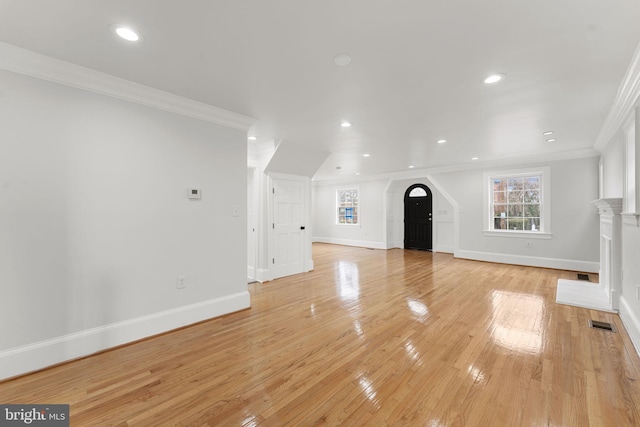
{"x": 631, "y": 323}
{"x": 263, "y": 275}
{"x": 557, "y": 263}
{"x": 32, "y": 357}
{"x": 583, "y": 294}
{"x": 447, "y": 249}
{"x": 626, "y": 98}
{"x": 28, "y": 63}
{"x": 348, "y": 242}
{"x": 426, "y": 172}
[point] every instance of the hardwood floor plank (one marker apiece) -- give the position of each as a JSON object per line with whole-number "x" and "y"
{"x": 370, "y": 337}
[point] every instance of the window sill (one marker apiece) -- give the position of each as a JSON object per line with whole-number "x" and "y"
{"x": 517, "y": 234}
{"x": 347, "y": 225}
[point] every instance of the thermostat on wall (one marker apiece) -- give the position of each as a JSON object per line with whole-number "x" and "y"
{"x": 195, "y": 193}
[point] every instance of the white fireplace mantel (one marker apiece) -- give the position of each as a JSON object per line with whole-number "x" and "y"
{"x": 605, "y": 294}
{"x": 611, "y": 206}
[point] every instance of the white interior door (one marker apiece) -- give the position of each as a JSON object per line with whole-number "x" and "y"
{"x": 288, "y": 227}
{"x": 251, "y": 226}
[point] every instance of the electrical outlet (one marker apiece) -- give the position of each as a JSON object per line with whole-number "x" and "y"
{"x": 638, "y": 292}
{"x": 182, "y": 282}
{"x": 528, "y": 244}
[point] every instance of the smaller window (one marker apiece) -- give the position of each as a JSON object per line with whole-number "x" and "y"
{"x": 347, "y": 206}
{"x": 418, "y": 192}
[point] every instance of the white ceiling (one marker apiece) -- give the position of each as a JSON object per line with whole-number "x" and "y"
{"x": 416, "y": 74}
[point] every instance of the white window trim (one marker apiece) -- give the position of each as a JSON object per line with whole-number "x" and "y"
{"x": 631, "y": 193}
{"x": 545, "y": 219}
{"x": 335, "y": 207}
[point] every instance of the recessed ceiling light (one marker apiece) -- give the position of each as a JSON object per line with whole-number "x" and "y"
{"x": 345, "y": 124}
{"x": 547, "y": 133}
{"x": 126, "y": 33}
{"x": 551, "y": 140}
{"x": 357, "y": 173}
{"x": 366, "y": 155}
{"x": 342, "y": 60}
{"x": 252, "y": 138}
{"x": 494, "y": 78}
{"x": 411, "y": 167}
{"x": 441, "y": 141}
{"x": 474, "y": 158}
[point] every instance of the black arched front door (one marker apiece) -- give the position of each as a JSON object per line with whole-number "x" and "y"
{"x": 418, "y": 229}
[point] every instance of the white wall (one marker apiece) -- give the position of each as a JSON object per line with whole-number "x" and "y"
{"x": 574, "y": 221}
{"x": 370, "y": 232}
{"x": 95, "y": 224}
{"x": 574, "y": 243}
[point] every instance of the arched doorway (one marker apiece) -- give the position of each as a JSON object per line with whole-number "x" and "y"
{"x": 418, "y": 225}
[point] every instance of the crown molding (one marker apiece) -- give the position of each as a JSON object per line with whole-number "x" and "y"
{"x": 626, "y": 99}
{"x": 32, "y": 64}
{"x": 506, "y": 162}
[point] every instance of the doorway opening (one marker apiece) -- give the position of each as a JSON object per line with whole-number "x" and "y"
{"x": 418, "y": 224}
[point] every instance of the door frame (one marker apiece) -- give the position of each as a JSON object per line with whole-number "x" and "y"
{"x": 307, "y": 262}
{"x": 406, "y": 197}
{"x": 253, "y": 213}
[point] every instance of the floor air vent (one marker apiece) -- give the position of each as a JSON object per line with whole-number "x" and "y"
{"x": 605, "y": 326}
{"x": 583, "y": 277}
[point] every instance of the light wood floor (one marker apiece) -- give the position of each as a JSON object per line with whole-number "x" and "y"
{"x": 369, "y": 338}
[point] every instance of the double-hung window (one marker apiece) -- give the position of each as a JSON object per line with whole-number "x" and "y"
{"x": 347, "y": 200}
{"x": 517, "y": 202}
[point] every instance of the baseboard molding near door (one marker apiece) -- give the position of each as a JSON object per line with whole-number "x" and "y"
{"x": 32, "y": 357}
{"x": 631, "y": 323}
{"x": 561, "y": 264}
{"x": 263, "y": 275}
{"x": 348, "y": 242}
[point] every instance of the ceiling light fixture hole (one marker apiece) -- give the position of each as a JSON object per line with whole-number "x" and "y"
{"x": 342, "y": 60}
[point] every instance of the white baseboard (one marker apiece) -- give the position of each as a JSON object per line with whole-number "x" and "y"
{"x": 31, "y": 357}
{"x": 561, "y": 264}
{"x": 631, "y": 323}
{"x": 263, "y": 275}
{"x": 251, "y": 272}
{"x": 444, "y": 248}
{"x": 348, "y": 242}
